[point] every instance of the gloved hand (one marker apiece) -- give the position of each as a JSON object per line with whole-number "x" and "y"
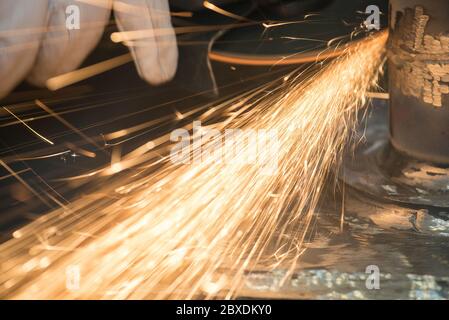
{"x": 35, "y": 43}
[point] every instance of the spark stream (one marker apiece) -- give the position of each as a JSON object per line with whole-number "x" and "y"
{"x": 234, "y": 147}
{"x": 195, "y": 231}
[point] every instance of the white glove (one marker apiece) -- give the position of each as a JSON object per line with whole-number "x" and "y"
{"x": 35, "y": 43}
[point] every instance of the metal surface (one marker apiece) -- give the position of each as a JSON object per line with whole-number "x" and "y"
{"x": 374, "y": 167}
{"x": 408, "y": 245}
{"x": 419, "y": 78}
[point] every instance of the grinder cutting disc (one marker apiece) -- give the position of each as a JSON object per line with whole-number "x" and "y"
{"x": 294, "y": 38}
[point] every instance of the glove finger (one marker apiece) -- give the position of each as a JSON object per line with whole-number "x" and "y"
{"x": 21, "y": 27}
{"x": 66, "y": 44}
{"x": 155, "y": 54}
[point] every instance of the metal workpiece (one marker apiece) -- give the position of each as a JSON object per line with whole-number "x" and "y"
{"x": 418, "y": 65}
{"x": 404, "y": 156}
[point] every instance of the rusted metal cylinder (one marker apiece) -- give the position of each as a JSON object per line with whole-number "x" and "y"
{"x": 418, "y": 66}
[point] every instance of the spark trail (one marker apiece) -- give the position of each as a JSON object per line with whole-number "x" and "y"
{"x": 194, "y": 230}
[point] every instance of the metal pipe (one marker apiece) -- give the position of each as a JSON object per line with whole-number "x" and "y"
{"x": 418, "y": 66}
